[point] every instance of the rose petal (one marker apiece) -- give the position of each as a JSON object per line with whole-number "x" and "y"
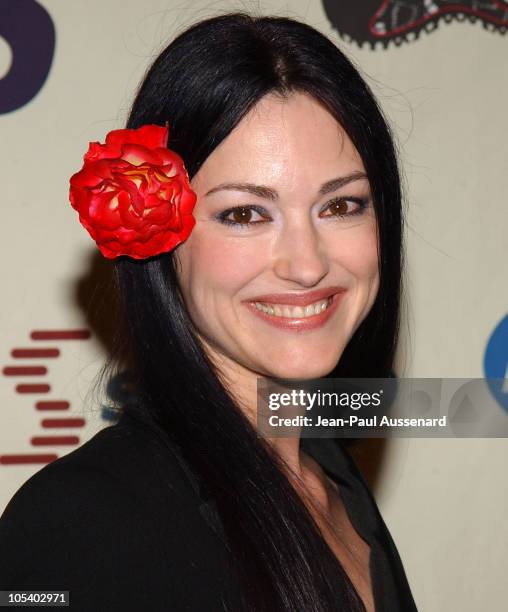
{"x": 98, "y": 151}
{"x": 137, "y": 155}
{"x": 150, "y": 136}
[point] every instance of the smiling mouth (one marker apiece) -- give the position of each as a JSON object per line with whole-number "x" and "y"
{"x": 294, "y": 312}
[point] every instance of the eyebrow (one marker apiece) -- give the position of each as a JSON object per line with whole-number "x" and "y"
{"x": 271, "y": 194}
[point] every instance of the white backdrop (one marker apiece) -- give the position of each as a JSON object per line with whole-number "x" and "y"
{"x": 445, "y": 501}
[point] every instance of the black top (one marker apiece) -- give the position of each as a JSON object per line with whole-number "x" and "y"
{"x": 123, "y": 524}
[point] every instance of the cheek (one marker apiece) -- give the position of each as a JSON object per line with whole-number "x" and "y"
{"x": 358, "y": 258}
{"x": 356, "y": 253}
{"x": 356, "y": 248}
{"x": 215, "y": 267}
{"x": 364, "y": 260}
{"x": 364, "y": 266}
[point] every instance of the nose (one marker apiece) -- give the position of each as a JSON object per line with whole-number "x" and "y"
{"x": 299, "y": 255}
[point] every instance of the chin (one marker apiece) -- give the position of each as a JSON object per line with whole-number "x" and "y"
{"x": 303, "y": 371}
{"x": 314, "y": 363}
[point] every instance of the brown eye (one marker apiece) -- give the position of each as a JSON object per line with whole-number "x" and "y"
{"x": 339, "y": 207}
{"x": 343, "y": 207}
{"x": 241, "y": 215}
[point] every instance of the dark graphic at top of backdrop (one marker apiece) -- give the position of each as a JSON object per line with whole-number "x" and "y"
{"x": 399, "y": 21}
{"x": 30, "y": 33}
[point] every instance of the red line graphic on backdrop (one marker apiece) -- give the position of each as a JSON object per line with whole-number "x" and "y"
{"x": 54, "y": 440}
{"x": 72, "y": 422}
{"x": 25, "y": 371}
{"x": 59, "y": 334}
{"x": 52, "y": 405}
{"x": 41, "y": 387}
{"x": 28, "y": 353}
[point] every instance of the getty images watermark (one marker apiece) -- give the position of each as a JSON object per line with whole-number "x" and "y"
{"x": 382, "y": 407}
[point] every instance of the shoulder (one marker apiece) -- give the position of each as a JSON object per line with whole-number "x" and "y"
{"x": 125, "y": 464}
{"x": 121, "y": 505}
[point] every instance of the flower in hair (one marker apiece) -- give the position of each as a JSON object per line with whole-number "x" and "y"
{"x": 133, "y": 194}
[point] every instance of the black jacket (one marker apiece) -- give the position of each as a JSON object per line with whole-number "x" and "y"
{"x": 122, "y": 523}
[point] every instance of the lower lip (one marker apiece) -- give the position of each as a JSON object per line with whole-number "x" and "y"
{"x": 300, "y": 324}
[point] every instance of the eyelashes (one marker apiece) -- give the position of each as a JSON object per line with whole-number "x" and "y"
{"x": 339, "y": 207}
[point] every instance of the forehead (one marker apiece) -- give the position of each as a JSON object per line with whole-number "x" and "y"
{"x": 284, "y": 142}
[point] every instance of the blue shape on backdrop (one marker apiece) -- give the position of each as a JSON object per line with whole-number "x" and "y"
{"x": 495, "y": 363}
{"x": 119, "y": 391}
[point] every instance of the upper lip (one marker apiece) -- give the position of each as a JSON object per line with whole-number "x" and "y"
{"x": 298, "y": 299}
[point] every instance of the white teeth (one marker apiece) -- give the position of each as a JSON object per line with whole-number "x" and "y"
{"x": 294, "y": 312}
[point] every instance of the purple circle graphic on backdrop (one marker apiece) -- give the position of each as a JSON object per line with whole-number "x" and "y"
{"x": 29, "y": 31}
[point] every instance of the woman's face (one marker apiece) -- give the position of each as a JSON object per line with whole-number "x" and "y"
{"x": 306, "y": 224}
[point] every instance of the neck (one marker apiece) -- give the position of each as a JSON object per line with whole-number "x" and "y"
{"x": 242, "y": 384}
{"x": 305, "y": 474}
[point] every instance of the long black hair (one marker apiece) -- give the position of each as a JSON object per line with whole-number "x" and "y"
{"x": 203, "y": 83}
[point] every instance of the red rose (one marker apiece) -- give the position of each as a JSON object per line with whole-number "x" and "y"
{"x": 133, "y": 194}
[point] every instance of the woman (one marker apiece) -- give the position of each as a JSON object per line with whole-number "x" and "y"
{"x": 181, "y": 505}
